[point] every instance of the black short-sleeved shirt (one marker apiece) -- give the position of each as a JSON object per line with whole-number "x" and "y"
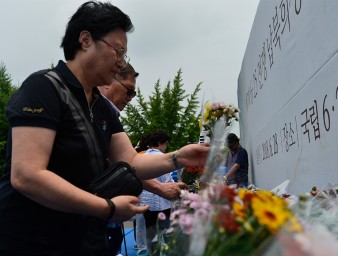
{"x": 241, "y": 158}
{"x": 30, "y": 228}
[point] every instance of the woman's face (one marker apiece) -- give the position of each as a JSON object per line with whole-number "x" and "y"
{"x": 163, "y": 147}
{"x": 106, "y": 58}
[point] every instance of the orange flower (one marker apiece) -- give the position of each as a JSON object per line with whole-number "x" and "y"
{"x": 227, "y": 220}
{"x": 228, "y": 193}
{"x": 195, "y": 169}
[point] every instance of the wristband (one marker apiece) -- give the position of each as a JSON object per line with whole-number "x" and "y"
{"x": 112, "y": 208}
{"x": 175, "y": 160}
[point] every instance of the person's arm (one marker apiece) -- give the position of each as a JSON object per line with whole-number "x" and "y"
{"x": 232, "y": 170}
{"x": 241, "y": 161}
{"x": 152, "y": 166}
{"x": 168, "y": 190}
{"x": 31, "y": 150}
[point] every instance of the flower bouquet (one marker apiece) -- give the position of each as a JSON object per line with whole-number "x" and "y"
{"x": 222, "y": 220}
{"x": 226, "y": 221}
{"x": 217, "y": 111}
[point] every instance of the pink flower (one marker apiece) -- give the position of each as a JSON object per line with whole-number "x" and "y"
{"x": 185, "y": 221}
{"x": 194, "y": 197}
{"x": 196, "y": 205}
{"x": 205, "y": 205}
{"x": 161, "y": 216}
{"x": 177, "y": 213}
{"x": 201, "y": 214}
{"x": 199, "y": 205}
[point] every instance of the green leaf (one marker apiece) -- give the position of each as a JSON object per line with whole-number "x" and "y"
{"x": 6, "y": 91}
{"x": 169, "y": 108}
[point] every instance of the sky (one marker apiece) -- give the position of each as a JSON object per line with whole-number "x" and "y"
{"x": 206, "y": 39}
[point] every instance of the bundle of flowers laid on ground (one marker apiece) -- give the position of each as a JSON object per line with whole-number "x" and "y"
{"x": 221, "y": 220}
{"x": 317, "y": 211}
{"x": 224, "y": 221}
{"x": 216, "y": 111}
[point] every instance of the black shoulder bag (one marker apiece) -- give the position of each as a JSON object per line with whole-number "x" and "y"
{"x": 120, "y": 178}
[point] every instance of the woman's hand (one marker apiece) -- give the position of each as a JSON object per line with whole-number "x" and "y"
{"x": 193, "y": 155}
{"x": 126, "y": 208}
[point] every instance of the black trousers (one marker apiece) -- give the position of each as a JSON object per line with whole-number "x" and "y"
{"x": 115, "y": 238}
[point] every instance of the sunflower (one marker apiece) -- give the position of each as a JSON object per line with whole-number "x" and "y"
{"x": 265, "y": 196}
{"x": 239, "y": 210}
{"x": 273, "y": 216}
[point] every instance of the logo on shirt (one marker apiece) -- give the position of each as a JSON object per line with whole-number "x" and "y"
{"x": 33, "y": 110}
{"x": 104, "y": 125}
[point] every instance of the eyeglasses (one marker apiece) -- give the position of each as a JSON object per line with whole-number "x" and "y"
{"x": 119, "y": 52}
{"x": 130, "y": 92}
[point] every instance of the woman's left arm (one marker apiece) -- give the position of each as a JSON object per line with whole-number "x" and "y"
{"x": 152, "y": 166}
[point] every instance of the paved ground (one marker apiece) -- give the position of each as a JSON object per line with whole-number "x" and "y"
{"x": 130, "y": 241}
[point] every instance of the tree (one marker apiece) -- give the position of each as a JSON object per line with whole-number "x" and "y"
{"x": 170, "y": 109}
{"x": 6, "y": 91}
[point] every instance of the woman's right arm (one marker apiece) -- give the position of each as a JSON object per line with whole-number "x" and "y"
{"x": 31, "y": 150}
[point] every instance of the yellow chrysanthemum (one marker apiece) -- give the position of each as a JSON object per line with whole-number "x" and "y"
{"x": 200, "y": 123}
{"x": 271, "y": 215}
{"x": 208, "y": 106}
{"x": 205, "y": 115}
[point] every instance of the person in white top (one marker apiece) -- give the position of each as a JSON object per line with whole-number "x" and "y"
{"x": 157, "y": 145}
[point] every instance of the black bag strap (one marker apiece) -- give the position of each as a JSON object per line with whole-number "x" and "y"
{"x": 124, "y": 239}
{"x": 84, "y": 125}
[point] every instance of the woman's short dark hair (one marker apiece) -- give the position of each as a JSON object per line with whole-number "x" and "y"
{"x": 157, "y": 137}
{"x": 98, "y": 19}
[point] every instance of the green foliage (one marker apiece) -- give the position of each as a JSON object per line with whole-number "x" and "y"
{"x": 6, "y": 90}
{"x": 170, "y": 109}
